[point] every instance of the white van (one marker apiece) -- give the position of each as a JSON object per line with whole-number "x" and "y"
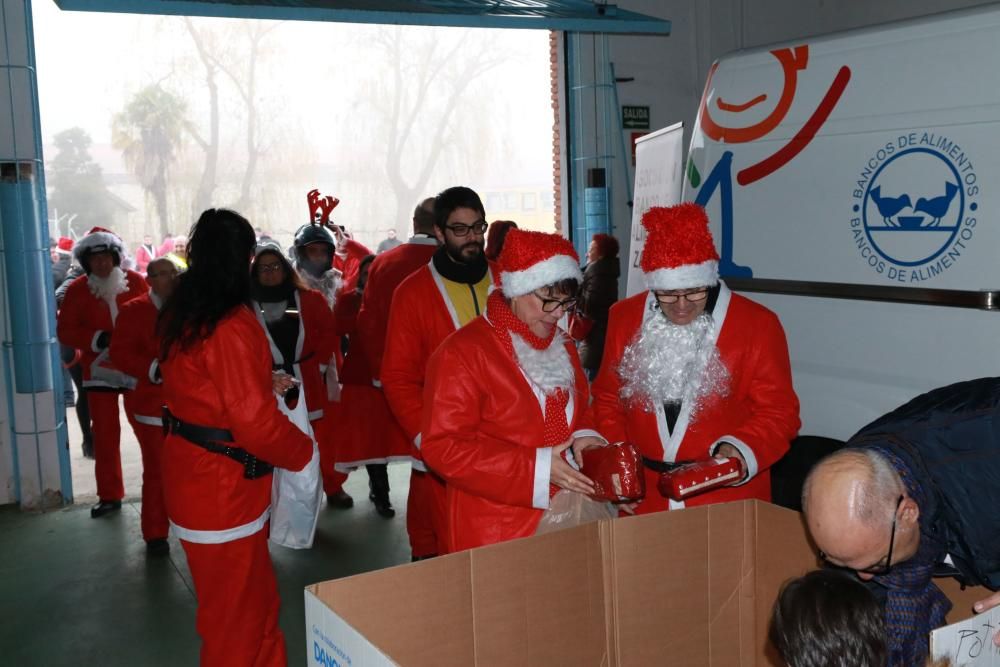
{"x": 853, "y": 183}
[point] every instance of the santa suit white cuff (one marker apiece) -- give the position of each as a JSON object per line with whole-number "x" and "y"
{"x": 744, "y": 449}
{"x": 93, "y": 341}
{"x": 589, "y": 433}
{"x": 543, "y": 473}
{"x": 416, "y": 441}
{"x": 152, "y": 372}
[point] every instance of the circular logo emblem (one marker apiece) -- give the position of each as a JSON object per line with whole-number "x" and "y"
{"x": 914, "y": 207}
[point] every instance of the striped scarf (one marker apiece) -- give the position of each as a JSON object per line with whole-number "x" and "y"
{"x": 914, "y": 604}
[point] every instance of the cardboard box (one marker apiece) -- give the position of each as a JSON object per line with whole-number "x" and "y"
{"x": 691, "y": 588}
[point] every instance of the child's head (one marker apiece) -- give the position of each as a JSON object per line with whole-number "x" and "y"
{"x": 829, "y": 619}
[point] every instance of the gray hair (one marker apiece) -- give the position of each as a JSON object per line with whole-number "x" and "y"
{"x": 880, "y": 484}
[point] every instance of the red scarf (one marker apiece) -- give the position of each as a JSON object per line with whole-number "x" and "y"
{"x": 505, "y": 322}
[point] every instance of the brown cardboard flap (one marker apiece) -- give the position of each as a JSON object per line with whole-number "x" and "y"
{"x": 541, "y": 601}
{"x": 419, "y": 614}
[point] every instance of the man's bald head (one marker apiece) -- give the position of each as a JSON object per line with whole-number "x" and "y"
{"x": 423, "y": 217}
{"x": 860, "y": 483}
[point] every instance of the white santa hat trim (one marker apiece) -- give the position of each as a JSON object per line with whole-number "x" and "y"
{"x": 99, "y": 242}
{"x": 542, "y": 274}
{"x": 687, "y": 276}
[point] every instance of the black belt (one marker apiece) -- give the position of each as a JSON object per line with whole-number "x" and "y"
{"x": 662, "y": 466}
{"x": 212, "y": 439}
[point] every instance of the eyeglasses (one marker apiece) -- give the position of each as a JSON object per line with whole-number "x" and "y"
{"x": 463, "y": 230}
{"x": 550, "y": 305}
{"x": 692, "y": 297}
{"x": 271, "y": 268}
{"x": 877, "y": 568}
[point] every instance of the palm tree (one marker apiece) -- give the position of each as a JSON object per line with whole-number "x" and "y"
{"x": 148, "y": 133}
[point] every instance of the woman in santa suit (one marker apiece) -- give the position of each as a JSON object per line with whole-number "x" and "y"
{"x": 224, "y": 433}
{"x": 298, "y": 323}
{"x": 506, "y": 397}
{"x": 368, "y": 435}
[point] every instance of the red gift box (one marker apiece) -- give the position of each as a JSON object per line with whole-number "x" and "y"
{"x": 695, "y": 478}
{"x": 616, "y": 471}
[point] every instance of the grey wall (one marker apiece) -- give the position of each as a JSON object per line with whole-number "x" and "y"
{"x": 670, "y": 71}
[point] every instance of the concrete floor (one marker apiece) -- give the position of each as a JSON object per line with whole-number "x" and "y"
{"x": 81, "y": 591}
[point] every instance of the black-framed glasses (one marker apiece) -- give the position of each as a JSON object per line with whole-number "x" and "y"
{"x": 270, "y": 268}
{"x": 878, "y": 568}
{"x": 550, "y": 305}
{"x": 463, "y": 230}
{"x": 671, "y": 297}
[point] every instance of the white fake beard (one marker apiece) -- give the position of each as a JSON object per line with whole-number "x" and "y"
{"x": 667, "y": 363}
{"x": 108, "y": 288}
{"x": 549, "y": 369}
{"x": 328, "y": 284}
{"x": 273, "y": 311}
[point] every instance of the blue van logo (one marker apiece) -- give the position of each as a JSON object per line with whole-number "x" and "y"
{"x": 914, "y": 207}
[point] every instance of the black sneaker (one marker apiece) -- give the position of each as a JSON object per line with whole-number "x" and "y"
{"x": 105, "y": 507}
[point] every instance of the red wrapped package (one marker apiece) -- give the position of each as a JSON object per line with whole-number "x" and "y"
{"x": 697, "y": 477}
{"x": 616, "y": 471}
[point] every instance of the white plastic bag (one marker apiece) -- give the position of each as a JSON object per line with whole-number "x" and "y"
{"x": 568, "y": 509}
{"x": 296, "y": 496}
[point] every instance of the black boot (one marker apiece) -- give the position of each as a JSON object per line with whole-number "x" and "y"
{"x": 378, "y": 485}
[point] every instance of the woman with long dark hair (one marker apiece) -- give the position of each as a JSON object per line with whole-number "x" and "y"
{"x": 225, "y": 432}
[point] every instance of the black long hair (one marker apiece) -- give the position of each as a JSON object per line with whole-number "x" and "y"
{"x": 217, "y": 280}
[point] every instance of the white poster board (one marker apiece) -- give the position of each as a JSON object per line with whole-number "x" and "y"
{"x": 659, "y": 162}
{"x": 969, "y": 643}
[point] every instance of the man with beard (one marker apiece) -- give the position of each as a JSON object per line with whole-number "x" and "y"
{"x": 433, "y": 302}
{"x": 691, "y": 370}
{"x": 134, "y": 350}
{"x": 87, "y": 321}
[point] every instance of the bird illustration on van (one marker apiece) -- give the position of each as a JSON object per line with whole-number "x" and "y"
{"x": 734, "y": 126}
{"x": 890, "y": 206}
{"x": 935, "y": 207}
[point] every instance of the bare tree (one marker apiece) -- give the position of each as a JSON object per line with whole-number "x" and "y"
{"x": 210, "y": 146}
{"x": 427, "y": 90}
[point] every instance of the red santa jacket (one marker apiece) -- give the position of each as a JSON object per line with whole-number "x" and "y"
{"x": 349, "y": 264}
{"x": 83, "y": 316}
{"x": 420, "y": 318}
{"x": 759, "y": 417}
{"x": 135, "y": 348}
{"x": 482, "y": 424}
{"x": 384, "y": 275}
{"x": 143, "y": 256}
{"x": 224, "y": 381}
{"x": 314, "y": 347}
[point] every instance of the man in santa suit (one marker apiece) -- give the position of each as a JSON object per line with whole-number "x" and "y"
{"x": 87, "y": 321}
{"x": 347, "y": 257}
{"x": 135, "y": 349}
{"x": 433, "y": 302}
{"x": 691, "y": 370}
{"x": 386, "y": 272}
{"x": 313, "y": 258}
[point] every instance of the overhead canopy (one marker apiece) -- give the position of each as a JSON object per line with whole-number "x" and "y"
{"x": 570, "y": 15}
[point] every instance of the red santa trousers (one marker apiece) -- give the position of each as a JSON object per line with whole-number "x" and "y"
{"x": 154, "y": 510}
{"x": 107, "y": 444}
{"x": 325, "y": 430}
{"x": 426, "y": 514}
{"x": 238, "y": 603}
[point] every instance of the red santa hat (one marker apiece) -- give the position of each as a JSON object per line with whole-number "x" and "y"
{"x": 64, "y": 246}
{"x": 679, "y": 251}
{"x": 530, "y": 260}
{"x": 99, "y": 239}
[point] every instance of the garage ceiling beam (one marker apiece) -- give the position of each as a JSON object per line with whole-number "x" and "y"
{"x": 570, "y": 15}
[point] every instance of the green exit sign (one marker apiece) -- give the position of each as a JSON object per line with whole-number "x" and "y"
{"x": 635, "y": 118}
